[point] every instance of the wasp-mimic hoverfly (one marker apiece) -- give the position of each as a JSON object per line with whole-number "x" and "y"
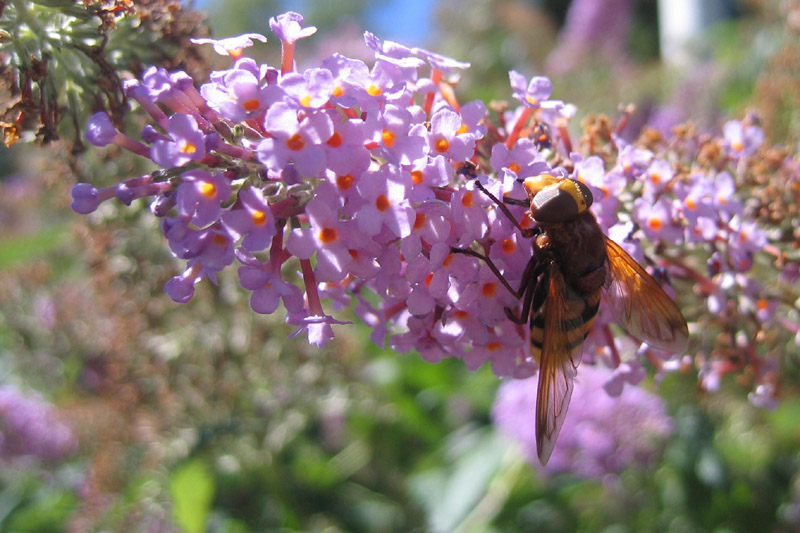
{"x": 572, "y": 264}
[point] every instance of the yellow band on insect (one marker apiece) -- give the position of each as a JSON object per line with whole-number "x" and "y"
{"x": 536, "y": 184}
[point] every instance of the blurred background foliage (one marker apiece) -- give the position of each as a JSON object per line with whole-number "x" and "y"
{"x": 207, "y": 417}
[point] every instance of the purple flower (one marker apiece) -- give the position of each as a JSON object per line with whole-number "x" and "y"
{"x": 323, "y": 237}
{"x": 86, "y": 198}
{"x": 445, "y": 139}
{"x": 101, "y": 132}
{"x": 232, "y": 46}
{"x": 295, "y": 140}
{"x": 201, "y": 194}
{"x": 269, "y": 290}
{"x": 532, "y": 94}
{"x": 289, "y": 27}
{"x": 253, "y": 220}
{"x": 386, "y": 194}
{"x": 186, "y": 143}
{"x": 741, "y": 140}
{"x": 311, "y": 89}
{"x": 238, "y": 95}
{"x": 657, "y": 220}
{"x": 601, "y": 435}
{"x": 31, "y": 427}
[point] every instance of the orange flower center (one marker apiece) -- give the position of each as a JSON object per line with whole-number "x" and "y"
{"x": 382, "y": 203}
{"x": 419, "y": 220}
{"x": 416, "y": 177}
{"x": 467, "y": 200}
{"x": 655, "y": 224}
{"x": 442, "y": 145}
{"x": 296, "y": 142}
{"x": 388, "y": 138}
{"x": 508, "y": 246}
{"x": 335, "y": 141}
{"x": 259, "y": 218}
{"x": 208, "y": 189}
{"x": 489, "y": 289}
{"x": 328, "y": 235}
{"x": 345, "y": 182}
{"x": 251, "y": 105}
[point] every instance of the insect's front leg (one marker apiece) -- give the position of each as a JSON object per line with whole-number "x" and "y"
{"x": 526, "y": 232}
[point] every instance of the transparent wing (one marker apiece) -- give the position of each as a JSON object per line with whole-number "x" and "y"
{"x": 640, "y": 306}
{"x": 564, "y": 332}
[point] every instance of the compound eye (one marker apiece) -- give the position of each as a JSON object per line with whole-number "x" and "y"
{"x": 554, "y": 205}
{"x": 586, "y": 192}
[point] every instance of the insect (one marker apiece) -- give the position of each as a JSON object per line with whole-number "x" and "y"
{"x": 561, "y": 289}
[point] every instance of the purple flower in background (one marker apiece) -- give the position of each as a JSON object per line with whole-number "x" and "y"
{"x": 592, "y": 28}
{"x": 741, "y": 140}
{"x": 601, "y": 435}
{"x": 30, "y": 427}
{"x": 232, "y": 46}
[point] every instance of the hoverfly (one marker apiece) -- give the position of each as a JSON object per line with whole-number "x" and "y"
{"x": 572, "y": 265}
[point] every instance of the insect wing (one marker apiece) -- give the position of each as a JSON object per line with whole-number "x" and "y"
{"x": 640, "y": 306}
{"x": 564, "y": 332}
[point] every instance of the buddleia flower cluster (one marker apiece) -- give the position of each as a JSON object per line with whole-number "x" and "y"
{"x": 602, "y": 435}
{"x": 347, "y": 185}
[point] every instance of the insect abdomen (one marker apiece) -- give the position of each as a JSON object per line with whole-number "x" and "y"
{"x": 579, "y": 315}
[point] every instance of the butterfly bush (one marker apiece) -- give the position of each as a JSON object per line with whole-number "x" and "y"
{"x": 601, "y": 437}
{"x": 347, "y": 185}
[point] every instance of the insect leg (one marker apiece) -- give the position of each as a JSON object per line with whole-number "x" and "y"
{"x": 466, "y": 251}
{"x": 526, "y": 232}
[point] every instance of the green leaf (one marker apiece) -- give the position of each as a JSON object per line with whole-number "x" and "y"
{"x": 192, "y": 487}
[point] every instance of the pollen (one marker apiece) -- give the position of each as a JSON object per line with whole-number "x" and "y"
{"x": 382, "y": 203}
{"x": 533, "y": 101}
{"x": 220, "y": 240}
{"x": 338, "y": 91}
{"x": 655, "y": 224}
{"x": 335, "y": 141}
{"x": 189, "y": 148}
{"x": 428, "y": 279}
{"x": 605, "y": 192}
{"x": 259, "y": 218}
{"x": 514, "y": 167}
{"x": 737, "y": 146}
{"x": 691, "y": 205}
{"x": 416, "y": 176}
{"x": 251, "y": 105}
{"x": 494, "y": 346}
{"x": 208, "y": 189}
{"x": 489, "y": 289}
{"x": 296, "y": 142}
{"x": 762, "y": 304}
{"x": 442, "y": 145}
{"x": 328, "y": 235}
{"x": 374, "y": 90}
{"x": 467, "y": 200}
{"x": 306, "y": 101}
{"x": 388, "y": 138}
{"x": 508, "y": 246}
{"x": 419, "y": 220}
{"x": 345, "y": 182}
{"x": 462, "y": 129}
{"x": 655, "y": 178}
